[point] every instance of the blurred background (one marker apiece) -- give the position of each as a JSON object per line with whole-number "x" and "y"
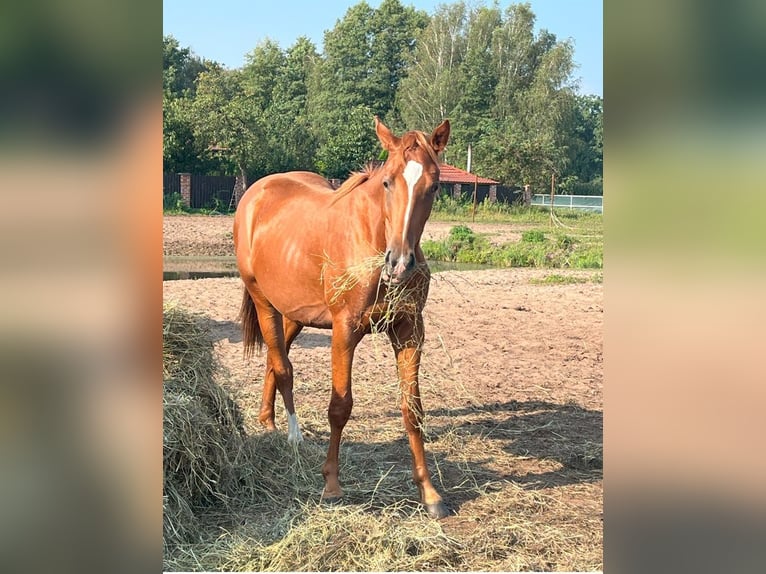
{"x": 685, "y": 138}
{"x": 80, "y": 233}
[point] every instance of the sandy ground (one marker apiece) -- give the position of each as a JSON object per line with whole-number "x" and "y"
{"x": 501, "y": 353}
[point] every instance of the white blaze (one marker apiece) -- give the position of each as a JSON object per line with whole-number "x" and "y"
{"x": 412, "y": 172}
{"x": 293, "y": 429}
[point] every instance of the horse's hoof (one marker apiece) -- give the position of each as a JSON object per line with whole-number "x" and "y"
{"x": 268, "y": 425}
{"x": 332, "y": 500}
{"x": 438, "y": 510}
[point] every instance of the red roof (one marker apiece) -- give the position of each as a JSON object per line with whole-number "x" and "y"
{"x": 451, "y": 174}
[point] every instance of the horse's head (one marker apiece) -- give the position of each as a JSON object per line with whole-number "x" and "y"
{"x": 411, "y": 180}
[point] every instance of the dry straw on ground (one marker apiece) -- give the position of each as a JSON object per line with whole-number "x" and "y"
{"x": 240, "y": 502}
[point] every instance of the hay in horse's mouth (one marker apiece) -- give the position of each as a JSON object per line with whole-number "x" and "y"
{"x": 353, "y": 275}
{"x": 400, "y": 296}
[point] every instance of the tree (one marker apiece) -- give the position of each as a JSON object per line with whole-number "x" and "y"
{"x": 533, "y": 120}
{"x": 288, "y": 113}
{"x": 478, "y": 79}
{"x": 432, "y": 88}
{"x": 224, "y": 115}
{"x": 182, "y": 151}
{"x": 507, "y": 90}
{"x": 585, "y": 145}
{"x": 394, "y": 29}
{"x": 363, "y": 65}
{"x": 180, "y": 68}
{"x": 258, "y": 113}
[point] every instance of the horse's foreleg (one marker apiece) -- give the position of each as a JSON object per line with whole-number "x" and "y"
{"x": 407, "y": 339}
{"x": 344, "y": 342}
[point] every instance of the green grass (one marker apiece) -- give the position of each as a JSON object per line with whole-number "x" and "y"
{"x": 557, "y": 279}
{"x": 539, "y": 248}
{"x": 176, "y": 210}
{"x": 173, "y": 205}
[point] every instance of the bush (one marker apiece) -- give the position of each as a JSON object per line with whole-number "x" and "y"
{"x": 173, "y": 202}
{"x": 461, "y": 233}
{"x": 533, "y": 236}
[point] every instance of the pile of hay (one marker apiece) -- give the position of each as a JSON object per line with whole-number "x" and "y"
{"x": 234, "y": 502}
{"x": 203, "y": 433}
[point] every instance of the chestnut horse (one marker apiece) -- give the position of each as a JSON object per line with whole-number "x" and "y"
{"x": 301, "y": 248}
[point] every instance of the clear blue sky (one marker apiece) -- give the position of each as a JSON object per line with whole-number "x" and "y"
{"x": 226, "y": 30}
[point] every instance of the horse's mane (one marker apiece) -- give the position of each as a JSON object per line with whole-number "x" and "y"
{"x": 356, "y": 179}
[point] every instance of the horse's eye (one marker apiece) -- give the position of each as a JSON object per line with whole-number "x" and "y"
{"x": 434, "y": 188}
{"x": 386, "y": 184}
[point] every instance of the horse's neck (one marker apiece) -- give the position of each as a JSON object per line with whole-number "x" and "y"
{"x": 368, "y": 206}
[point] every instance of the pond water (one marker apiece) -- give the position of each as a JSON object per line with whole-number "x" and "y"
{"x": 177, "y": 267}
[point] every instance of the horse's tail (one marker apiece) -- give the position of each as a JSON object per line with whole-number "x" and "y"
{"x": 251, "y": 331}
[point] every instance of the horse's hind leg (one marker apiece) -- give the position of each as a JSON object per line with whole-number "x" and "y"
{"x": 266, "y": 415}
{"x": 278, "y": 334}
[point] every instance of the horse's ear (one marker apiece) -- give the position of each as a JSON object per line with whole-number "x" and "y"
{"x": 440, "y": 136}
{"x": 387, "y": 139}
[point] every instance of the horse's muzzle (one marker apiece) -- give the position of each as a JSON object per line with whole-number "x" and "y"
{"x": 397, "y": 267}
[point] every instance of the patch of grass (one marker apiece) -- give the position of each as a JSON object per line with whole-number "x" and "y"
{"x": 461, "y": 245}
{"x": 564, "y": 241}
{"x": 587, "y": 257}
{"x": 436, "y": 250}
{"x": 536, "y": 249}
{"x": 557, "y": 279}
{"x": 183, "y": 210}
{"x": 173, "y": 204}
{"x": 446, "y": 208}
{"x": 533, "y": 236}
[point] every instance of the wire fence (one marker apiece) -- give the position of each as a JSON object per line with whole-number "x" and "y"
{"x": 588, "y": 202}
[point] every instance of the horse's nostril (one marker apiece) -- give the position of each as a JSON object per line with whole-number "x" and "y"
{"x": 411, "y": 261}
{"x": 387, "y": 258}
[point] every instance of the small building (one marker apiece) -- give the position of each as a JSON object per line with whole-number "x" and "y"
{"x": 460, "y": 183}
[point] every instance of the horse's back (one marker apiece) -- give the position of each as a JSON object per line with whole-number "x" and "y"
{"x": 271, "y": 194}
{"x": 291, "y": 183}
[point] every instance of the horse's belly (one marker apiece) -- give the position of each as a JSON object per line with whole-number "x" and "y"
{"x": 290, "y": 279}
